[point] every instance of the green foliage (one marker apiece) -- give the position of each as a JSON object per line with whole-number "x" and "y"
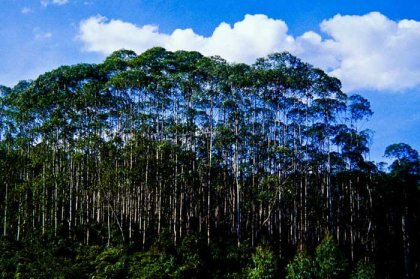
{"x": 193, "y": 254}
{"x": 8, "y": 261}
{"x": 363, "y": 270}
{"x": 263, "y": 264}
{"x": 35, "y": 259}
{"x": 84, "y": 262}
{"x": 111, "y": 263}
{"x": 301, "y": 267}
{"x": 407, "y": 159}
{"x": 151, "y": 264}
{"x": 227, "y": 259}
{"x": 328, "y": 260}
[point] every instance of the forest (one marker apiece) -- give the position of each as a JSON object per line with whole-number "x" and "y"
{"x": 176, "y": 165}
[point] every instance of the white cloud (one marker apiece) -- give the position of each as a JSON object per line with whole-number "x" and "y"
{"x": 26, "y": 10}
{"x": 40, "y": 35}
{"x": 374, "y": 51}
{"x": 255, "y": 36}
{"x": 365, "y": 52}
{"x": 54, "y": 2}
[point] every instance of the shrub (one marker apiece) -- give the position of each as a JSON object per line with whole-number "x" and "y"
{"x": 264, "y": 264}
{"x": 363, "y": 270}
{"x": 328, "y": 261}
{"x": 111, "y": 263}
{"x": 151, "y": 264}
{"x": 301, "y": 267}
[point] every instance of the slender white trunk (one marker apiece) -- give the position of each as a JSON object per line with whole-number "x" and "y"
{"x": 5, "y": 211}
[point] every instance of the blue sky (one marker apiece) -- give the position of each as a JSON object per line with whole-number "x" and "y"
{"x": 372, "y": 46}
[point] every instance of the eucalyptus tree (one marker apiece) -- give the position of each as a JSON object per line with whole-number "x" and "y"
{"x": 4, "y": 91}
{"x": 4, "y": 131}
{"x": 405, "y": 174}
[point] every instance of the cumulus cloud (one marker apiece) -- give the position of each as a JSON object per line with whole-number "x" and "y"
{"x": 54, "y": 2}
{"x": 365, "y": 52}
{"x": 374, "y": 51}
{"x": 252, "y": 37}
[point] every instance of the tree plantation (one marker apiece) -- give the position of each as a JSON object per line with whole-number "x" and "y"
{"x": 176, "y": 165}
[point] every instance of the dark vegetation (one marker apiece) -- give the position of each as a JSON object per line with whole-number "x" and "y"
{"x": 175, "y": 165}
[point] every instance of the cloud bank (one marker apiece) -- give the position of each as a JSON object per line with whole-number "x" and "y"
{"x": 365, "y": 52}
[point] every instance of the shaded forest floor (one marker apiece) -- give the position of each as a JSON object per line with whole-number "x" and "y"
{"x": 51, "y": 257}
